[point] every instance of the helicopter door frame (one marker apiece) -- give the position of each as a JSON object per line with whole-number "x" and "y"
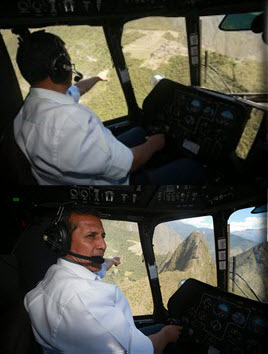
{"x": 113, "y": 34}
{"x": 146, "y": 231}
{"x": 222, "y": 247}
{"x": 193, "y": 30}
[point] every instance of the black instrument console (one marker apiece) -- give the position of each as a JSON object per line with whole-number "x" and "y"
{"x": 219, "y": 320}
{"x": 201, "y": 123}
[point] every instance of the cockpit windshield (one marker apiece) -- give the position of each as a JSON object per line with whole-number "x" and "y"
{"x": 156, "y": 47}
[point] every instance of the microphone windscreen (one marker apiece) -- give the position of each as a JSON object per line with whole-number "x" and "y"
{"x": 78, "y": 76}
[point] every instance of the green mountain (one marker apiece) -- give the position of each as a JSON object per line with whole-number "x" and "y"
{"x": 191, "y": 259}
{"x": 122, "y": 240}
{"x": 257, "y": 235}
{"x": 192, "y": 254}
{"x": 165, "y": 240}
{"x": 252, "y": 266}
{"x": 238, "y": 244}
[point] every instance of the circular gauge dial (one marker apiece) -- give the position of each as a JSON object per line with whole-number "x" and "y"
{"x": 238, "y": 318}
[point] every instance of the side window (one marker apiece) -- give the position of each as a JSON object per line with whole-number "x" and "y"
{"x": 155, "y": 46}
{"x": 232, "y": 62}
{"x": 89, "y": 52}
{"x": 122, "y": 239}
{"x": 184, "y": 249}
{"x": 248, "y": 255}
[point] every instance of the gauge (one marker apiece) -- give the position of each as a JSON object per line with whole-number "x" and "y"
{"x": 195, "y": 105}
{"x": 226, "y": 117}
{"x": 222, "y": 310}
{"x": 207, "y": 303}
{"x": 208, "y": 111}
{"x": 189, "y": 120}
{"x": 238, "y": 318}
{"x": 259, "y": 324}
{"x": 227, "y": 114}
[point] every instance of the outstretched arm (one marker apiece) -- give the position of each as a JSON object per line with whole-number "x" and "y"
{"x": 87, "y": 84}
{"x": 109, "y": 262}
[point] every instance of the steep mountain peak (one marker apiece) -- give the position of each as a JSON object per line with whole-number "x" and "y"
{"x": 191, "y": 253}
{"x": 195, "y": 237}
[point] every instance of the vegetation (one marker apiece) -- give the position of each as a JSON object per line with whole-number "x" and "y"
{"x": 166, "y": 56}
{"x": 229, "y": 75}
{"x": 177, "y": 258}
{"x": 252, "y": 266}
{"x": 131, "y": 275}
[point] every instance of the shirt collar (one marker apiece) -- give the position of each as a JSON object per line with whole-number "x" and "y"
{"x": 78, "y": 269}
{"x": 51, "y": 95}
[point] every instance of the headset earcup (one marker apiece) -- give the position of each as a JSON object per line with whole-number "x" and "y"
{"x": 57, "y": 70}
{"x": 58, "y": 236}
{"x": 64, "y": 236}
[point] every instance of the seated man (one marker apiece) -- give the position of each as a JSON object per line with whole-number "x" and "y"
{"x": 65, "y": 142}
{"x": 72, "y": 311}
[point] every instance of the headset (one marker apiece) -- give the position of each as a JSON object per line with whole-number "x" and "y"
{"x": 61, "y": 66}
{"x": 58, "y": 237}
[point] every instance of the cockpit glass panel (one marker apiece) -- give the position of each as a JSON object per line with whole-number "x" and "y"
{"x": 184, "y": 249}
{"x": 248, "y": 271}
{"x": 232, "y": 62}
{"x": 249, "y": 134}
{"x": 155, "y": 48}
{"x": 122, "y": 240}
{"x": 89, "y": 52}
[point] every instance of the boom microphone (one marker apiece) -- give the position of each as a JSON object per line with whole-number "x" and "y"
{"x": 94, "y": 259}
{"x": 78, "y": 75}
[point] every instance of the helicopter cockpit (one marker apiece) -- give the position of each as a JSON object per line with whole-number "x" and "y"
{"x": 225, "y": 128}
{"x": 210, "y": 281}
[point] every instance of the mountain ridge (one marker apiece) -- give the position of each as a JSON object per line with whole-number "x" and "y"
{"x": 191, "y": 253}
{"x": 238, "y": 244}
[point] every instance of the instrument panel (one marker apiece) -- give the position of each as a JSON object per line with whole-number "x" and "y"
{"x": 221, "y": 320}
{"x": 200, "y": 123}
{"x": 230, "y": 325}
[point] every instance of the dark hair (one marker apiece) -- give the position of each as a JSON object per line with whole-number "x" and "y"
{"x": 35, "y": 54}
{"x": 79, "y": 209}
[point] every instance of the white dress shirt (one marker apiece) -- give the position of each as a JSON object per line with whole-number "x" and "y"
{"x": 66, "y": 143}
{"x": 73, "y": 311}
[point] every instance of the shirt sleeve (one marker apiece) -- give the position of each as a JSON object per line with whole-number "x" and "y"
{"x": 101, "y": 273}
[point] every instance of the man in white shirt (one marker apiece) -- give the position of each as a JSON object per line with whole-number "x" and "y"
{"x": 65, "y": 142}
{"x": 73, "y": 312}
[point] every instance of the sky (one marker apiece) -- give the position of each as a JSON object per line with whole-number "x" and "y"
{"x": 240, "y": 220}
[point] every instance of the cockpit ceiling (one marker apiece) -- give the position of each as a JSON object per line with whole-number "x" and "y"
{"x": 126, "y": 202}
{"x": 34, "y": 13}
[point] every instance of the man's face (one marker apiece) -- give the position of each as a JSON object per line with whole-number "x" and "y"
{"x": 87, "y": 239}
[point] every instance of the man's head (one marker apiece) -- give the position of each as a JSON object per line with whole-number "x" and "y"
{"x": 43, "y": 56}
{"x": 87, "y": 239}
{"x": 85, "y": 234}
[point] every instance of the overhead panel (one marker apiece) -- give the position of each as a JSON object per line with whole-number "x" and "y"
{"x": 34, "y": 13}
